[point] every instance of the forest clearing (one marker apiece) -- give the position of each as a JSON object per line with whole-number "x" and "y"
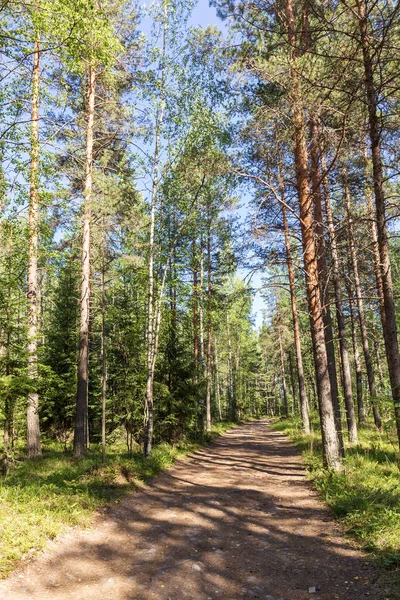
{"x": 199, "y": 245}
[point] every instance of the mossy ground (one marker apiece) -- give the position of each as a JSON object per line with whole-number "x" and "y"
{"x": 40, "y": 498}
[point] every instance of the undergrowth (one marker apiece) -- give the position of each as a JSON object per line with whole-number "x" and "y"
{"x": 40, "y": 498}
{"x": 365, "y": 495}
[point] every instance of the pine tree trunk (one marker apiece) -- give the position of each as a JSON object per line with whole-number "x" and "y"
{"x": 296, "y": 328}
{"x": 374, "y": 237}
{"x": 389, "y": 320}
{"x": 330, "y": 440}
{"x": 323, "y": 278}
{"x": 217, "y": 390}
{"x": 195, "y": 314}
{"x": 343, "y": 345}
{"x": 33, "y": 427}
{"x": 103, "y": 353}
{"x": 283, "y": 374}
{"x": 361, "y": 312}
{"x": 232, "y": 396}
{"x": 208, "y": 373}
{"x": 292, "y": 381}
{"x": 376, "y": 338}
{"x": 81, "y": 421}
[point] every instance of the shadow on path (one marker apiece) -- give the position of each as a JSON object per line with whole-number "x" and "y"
{"x": 235, "y": 521}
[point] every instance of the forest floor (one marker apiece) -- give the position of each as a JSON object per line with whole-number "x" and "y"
{"x": 236, "y": 521}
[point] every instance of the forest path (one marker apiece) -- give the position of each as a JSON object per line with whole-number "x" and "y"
{"x": 234, "y": 521}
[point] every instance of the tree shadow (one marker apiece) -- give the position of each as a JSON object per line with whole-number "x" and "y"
{"x": 204, "y": 530}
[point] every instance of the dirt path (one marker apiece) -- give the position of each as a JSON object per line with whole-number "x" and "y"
{"x": 235, "y": 521}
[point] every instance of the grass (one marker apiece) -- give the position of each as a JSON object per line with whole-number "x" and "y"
{"x": 41, "y": 498}
{"x": 365, "y": 495}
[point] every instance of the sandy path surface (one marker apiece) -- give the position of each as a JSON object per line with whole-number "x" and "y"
{"x": 235, "y": 521}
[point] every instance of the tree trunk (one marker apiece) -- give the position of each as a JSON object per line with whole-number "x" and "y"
{"x": 283, "y": 374}
{"x": 374, "y": 237}
{"x": 361, "y": 312}
{"x": 361, "y": 412}
{"x": 201, "y": 312}
{"x": 103, "y": 352}
{"x": 389, "y": 318}
{"x": 81, "y": 422}
{"x": 295, "y": 317}
{"x": 230, "y": 370}
{"x": 195, "y": 314}
{"x": 33, "y": 427}
{"x": 323, "y": 278}
{"x": 330, "y": 440}
{"x": 292, "y": 380}
{"x": 343, "y": 346}
{"x": 208, "y": 373}
{"x": 217, "y": 390}
{"x": 151, "y": 312}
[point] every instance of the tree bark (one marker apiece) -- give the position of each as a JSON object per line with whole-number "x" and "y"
{"x": 361, "y": 412}
{"x": 217, "y": 390}
{"x": 33, "y": 427}
{"x": 343, "y": 345}
{"x": 195, "y": 314}
{"x": 208, "y": 368}
{"x": 295, "y": 317}
{"x": 81, "y": 421}
{"x": 232, "y": 397}
{"x": 374, "y": 237}
{"x": 323, "y": 277}
{"x": 361, "y": 312}
{"x": 283, "y": 373}
{"x": 103, "y": 352}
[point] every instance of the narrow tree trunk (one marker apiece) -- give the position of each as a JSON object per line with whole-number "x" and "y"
{"x": 389, "y": 318}
{"x": 361, "y": 411}
{"x": 331, "y": 447}
{"x": 81, "y": 424}
{"x": 230, "y": 370}
{"x": 292, "y": 380}
{"x": 33, "y": 428}
{"x": 217, "y": 390}
{"x": 201, "y": 312}
{"x": 103, "y": 352}
{"x": 374, "y": 237}
{"x": 151, "y": 312}
{"x": 208, "y": 374}
{"x": 283, "y": 374}
{"x": 195, "y": 314}
{"x": 361, "y": 312}
{"x": 377, "y": 351}
{"x": 323, "y": 278}
{"x": 295, "y": 317}
{"x": 343, "y": 346}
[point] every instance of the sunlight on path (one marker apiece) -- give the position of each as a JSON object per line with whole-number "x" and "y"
{"x": 235, "y": 521}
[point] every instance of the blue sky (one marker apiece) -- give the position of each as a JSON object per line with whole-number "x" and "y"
{"x": 202, "y": 16}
